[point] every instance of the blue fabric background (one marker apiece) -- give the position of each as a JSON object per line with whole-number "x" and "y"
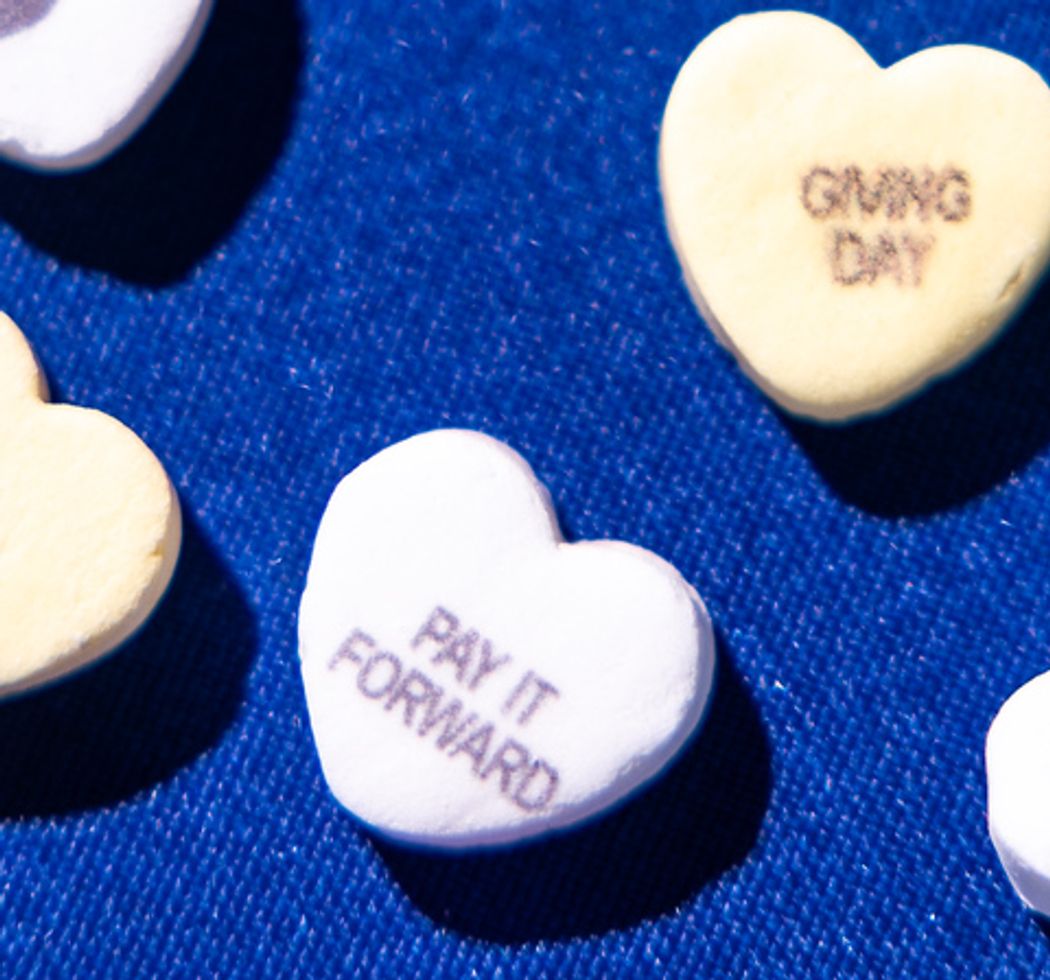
{"x": 355, "y": 221}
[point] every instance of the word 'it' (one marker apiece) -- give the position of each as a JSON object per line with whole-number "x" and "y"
{"x": 894, "y": 193}
{"x": 472, "y": 659}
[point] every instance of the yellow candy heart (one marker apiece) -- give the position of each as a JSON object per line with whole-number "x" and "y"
{"x": 849, "y": 232}
{"x": 89, "y": 528}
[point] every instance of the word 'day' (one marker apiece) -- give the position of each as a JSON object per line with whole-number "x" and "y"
{"x": 471, "y": 678}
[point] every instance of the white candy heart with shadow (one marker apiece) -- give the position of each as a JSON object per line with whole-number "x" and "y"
{"x": 1016, "y": 760}
{"x": 78, "y": 77}
{"x": 851, "y": 233}
{"x": 472, "y": 679}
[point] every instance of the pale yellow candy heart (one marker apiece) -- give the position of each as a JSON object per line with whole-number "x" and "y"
{"x": 849, "y": 232}
{"x": 89, "y": 528}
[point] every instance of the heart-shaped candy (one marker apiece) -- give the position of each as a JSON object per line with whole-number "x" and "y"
{"x": 848, "y": 232}
{"x": 78, "y": 77}
{"x": 1019, "y": 791}
{"x": 89, "y": 528}
{"x": 471, "y": 678}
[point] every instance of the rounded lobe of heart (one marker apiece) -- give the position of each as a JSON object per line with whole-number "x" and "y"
{"x": 89, "y": 528}
{"x": 456, "y": 521}
{"x": 77, "y": 81}
{"x": 839, "y": 294}
{"x": 1019, "y": 791}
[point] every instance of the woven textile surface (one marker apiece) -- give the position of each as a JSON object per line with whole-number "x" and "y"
{"x": 353, "y": 221}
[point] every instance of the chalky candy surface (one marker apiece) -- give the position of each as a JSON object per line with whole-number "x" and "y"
{"x": 1019, "y": 791}
{"x": 849, "y": 232}
{"x": 78, "y": 77}
{"x": 89, "y": 528}
{"x": 471, "y": 678}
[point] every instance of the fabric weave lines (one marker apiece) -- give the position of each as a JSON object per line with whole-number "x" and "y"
{"x": 354, "y": 221}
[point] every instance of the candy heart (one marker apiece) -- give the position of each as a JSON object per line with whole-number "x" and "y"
{"x": 471, "y": 678}
{"x": 78, "y": 77}
{"x": 89, "y": 528}
{"x": 848, "y": 232}
{"x": 1019, "y": 791}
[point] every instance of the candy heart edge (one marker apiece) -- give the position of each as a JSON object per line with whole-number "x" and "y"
{"x": 1031, "y": 884}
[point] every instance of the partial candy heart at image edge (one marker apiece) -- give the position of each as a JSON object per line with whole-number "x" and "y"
{"x": 78, "y": 79}
{"x": 90, "y": 528}
{"x": 1019, "y": 791}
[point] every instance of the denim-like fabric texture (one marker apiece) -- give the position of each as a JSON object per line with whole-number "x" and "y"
{"x": 355, "y": 221}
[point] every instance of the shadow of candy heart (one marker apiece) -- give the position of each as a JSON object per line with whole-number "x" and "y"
{"x": 696, "y": 821}
{"x": 960, "y": 438}
{"x": 149, "y": 213}
{"x": 130, "y": 722}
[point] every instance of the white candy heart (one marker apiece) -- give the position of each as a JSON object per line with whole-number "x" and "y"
{"x": 89, "y": 528}
{"x": 471, "y": 678}
{"x": 78, "y": 77}
{"x": 1019, "y": 791}
{"x": 848, "y": 232}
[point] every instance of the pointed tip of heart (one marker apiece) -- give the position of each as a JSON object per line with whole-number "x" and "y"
{"x": 111, "y": 631}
